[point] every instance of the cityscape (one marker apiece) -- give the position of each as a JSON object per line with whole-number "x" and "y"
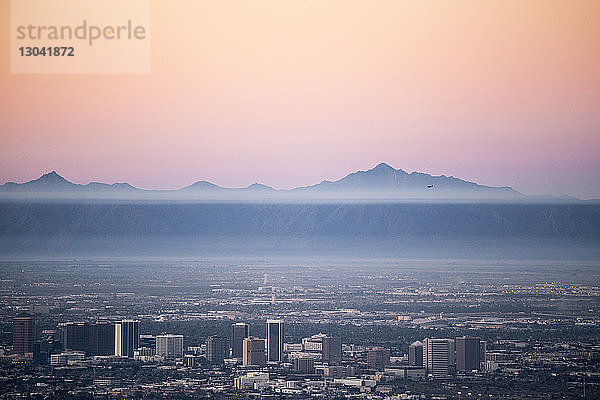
{"x": 300, "y": 200}
{"x": 257, "y": 329}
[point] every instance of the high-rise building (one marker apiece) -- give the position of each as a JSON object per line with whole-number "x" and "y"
{"x": 274, "y": 340}
{"x": 169, "y": 346}
{"x": 101, "y": 339}
{"x": 482, "y": 351}
{"x": 92, "y": 338}
{"x": 217, "y": 348}
{"x": 304, "y": 365}
{"x": 127, "y": 337}
{"x": 378, "y": 358}
{"x": 439, "y": 356}
{"x": 327, "y": 347}
{"x": 75, "y": 336}
{"x": 23, "y": 335}
{"x": 254, "y": 351}
{"x": 239, "y": 332}
{"x": 415, "y": 354}
{"x": 467, "y": 354}
{"x": 332, "y": 350}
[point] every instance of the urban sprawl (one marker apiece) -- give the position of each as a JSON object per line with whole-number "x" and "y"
{"x": 262, "y": 331}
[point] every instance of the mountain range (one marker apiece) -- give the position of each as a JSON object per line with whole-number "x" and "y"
{"x": 382, "y": 182}
{"x": 378, "y": 211}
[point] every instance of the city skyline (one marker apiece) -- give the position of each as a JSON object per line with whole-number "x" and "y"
{"x": 379, "y": 329}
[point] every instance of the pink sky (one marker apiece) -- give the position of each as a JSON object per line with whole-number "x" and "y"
{"x": 288, "y": 93}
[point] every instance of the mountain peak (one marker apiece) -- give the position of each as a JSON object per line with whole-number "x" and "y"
{"x": 386, "y": 169}
{"x": 383, "y": 166}
{"x": 51, "y": 175}
{"x": 202, "y": 185}
{"x": 383, "y": 169}
{"x": 259, "y": 186}
{"x": 51, "y": 178}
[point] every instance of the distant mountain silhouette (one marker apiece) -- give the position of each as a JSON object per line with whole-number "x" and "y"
{"x": 202, "y": 186}
{"x": 381, "y": 210}
{"x": 51, "y": 178}
{"x": 50, "y": 181}
{"x": 205, "y": 186}
{"x": 382, "y": 182}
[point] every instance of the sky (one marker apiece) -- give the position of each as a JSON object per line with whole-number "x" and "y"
{"x": 288, "y": 93}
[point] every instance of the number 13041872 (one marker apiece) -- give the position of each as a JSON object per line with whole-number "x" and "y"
{"x": 47, "y": 51}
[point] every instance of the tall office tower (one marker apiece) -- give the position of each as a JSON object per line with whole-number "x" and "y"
{"x": 169, "y": 346}
{"x": 274, "y": 340}
{"x": 482, "y": 351}
{"x": 127, "y": 337}
{"x": 75, "y": 336}
{"x": 217, "y": 349}
{"x": 23, "y": 335}
{"x": 415, "y": 354}
{"x": 439, "y": 356}
{"x": 304, "y": 365}
{"x": 467, "y": 354}
{"x": 254, "y": 351}
{"x": 101, "y": 339}
{"x": 239, "y": 332}
{"x": 332, "y": 350}
{"x": 378, "y": 358}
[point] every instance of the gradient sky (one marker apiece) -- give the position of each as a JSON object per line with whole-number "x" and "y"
{"x": 288, "y": 93}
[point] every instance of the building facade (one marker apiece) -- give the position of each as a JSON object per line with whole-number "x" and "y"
{"x": 275, "y": 335}
{"x": 239, "y": 332}
{"x": 217, "y": 349}
{"x": 127, "y": 337}
{"x": 304, "y": 365}
{"x": 439, "y": 357}
{"x": 332, "y": 350}
{"x": 378, "y": 358}
{"x": 75, "y": 336}
{"x": 169, "y": 346}
{"x": 467, "y": 354}
{"x": 254, "y": 351}
{"x": 23, "y": 335}
{"x": 101, "y": 338}
{"x": 415, "y": 354}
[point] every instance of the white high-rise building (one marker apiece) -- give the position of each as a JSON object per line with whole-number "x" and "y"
{"x": 439, "y": 356}
{"x": 274, "y": 340}
{"x": 127, "y": 337}
{"x": 169, "y": 346}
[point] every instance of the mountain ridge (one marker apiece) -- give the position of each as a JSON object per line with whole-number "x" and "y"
{"x": 382, "y": 182}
